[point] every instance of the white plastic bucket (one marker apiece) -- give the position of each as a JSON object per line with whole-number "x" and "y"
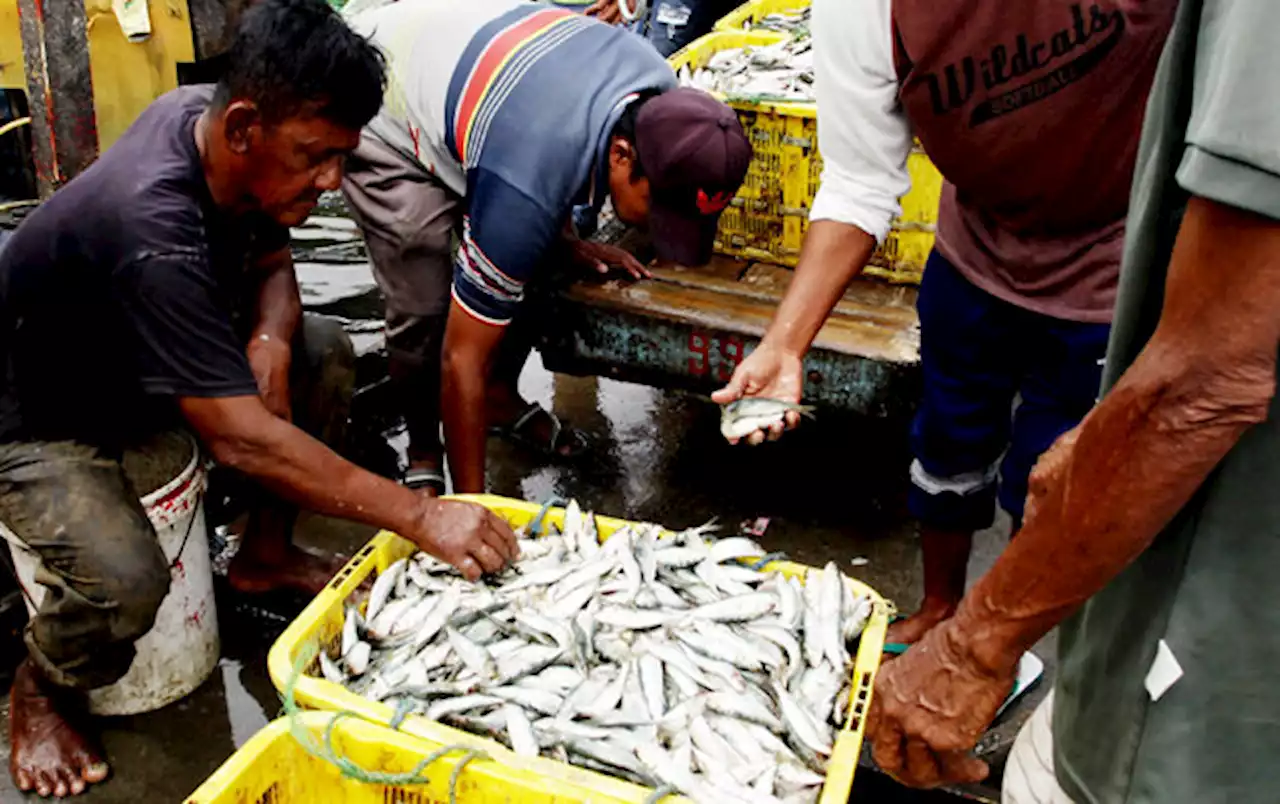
{"x": 181, "y": 649}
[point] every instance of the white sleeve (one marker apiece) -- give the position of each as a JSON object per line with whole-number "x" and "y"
{"x": 863, "y": 134}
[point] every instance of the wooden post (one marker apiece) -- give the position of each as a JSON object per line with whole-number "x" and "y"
{"x": 64, "y": 129}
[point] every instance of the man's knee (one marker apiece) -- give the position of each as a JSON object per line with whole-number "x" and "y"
{"x": 138, "y": 597}
{"x": 326, "y": 345}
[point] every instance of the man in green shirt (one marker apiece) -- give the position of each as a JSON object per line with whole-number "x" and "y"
{"x": 1151, "y": 529}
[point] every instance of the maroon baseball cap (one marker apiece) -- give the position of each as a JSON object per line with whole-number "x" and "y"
{"x": 695, "y": 154}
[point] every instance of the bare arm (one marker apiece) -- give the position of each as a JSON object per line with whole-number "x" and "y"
{"x": 833, "y": 254}
{"x": 242, "y": 434}
{"x": 1205, "y": 377}
{"x": 469, "y": 345}
{"x": 270, "y": 349}
{"x": 279, "y": 302}
{"x": 1102, "y": 494}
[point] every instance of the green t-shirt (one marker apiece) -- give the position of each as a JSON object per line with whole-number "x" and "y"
{"x": 1210, "y": 584}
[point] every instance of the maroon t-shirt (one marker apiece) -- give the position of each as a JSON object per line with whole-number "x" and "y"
{"x": 1031, "y": 110}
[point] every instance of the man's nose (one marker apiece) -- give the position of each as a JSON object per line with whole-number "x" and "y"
{"x": 330, "y": 176}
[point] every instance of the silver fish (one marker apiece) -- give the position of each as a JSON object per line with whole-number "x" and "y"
{"x": 750, "y": 606}
{"x": 383, "y": 587}
{"x": 546, "y": 703}
{"x": 652, "y": 682}
{"x": 520, "y": 731}
{"x": 742, "y": 417}
{"x": 801, "y": 724}
{"x": 474, "y": 656}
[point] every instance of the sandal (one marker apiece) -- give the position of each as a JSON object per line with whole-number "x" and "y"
{"x": 417, "y": 479}
{"x": 561, "y": 435}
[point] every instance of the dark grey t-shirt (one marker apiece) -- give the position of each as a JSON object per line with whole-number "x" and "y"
{"x": 1207, "y": 586}
{"x": 121, "y": 291}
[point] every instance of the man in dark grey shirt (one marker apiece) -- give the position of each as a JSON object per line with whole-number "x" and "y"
{"x": 155, "y": 292}
{"x": 1151, "y": 529}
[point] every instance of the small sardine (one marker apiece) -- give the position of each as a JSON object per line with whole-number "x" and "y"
{"x": 520, "y": 731}
{"x": 751, "y": 606}
{"x": 742, "y": 417}
{"x": 383, "y": 587}
{"x": 801, "y": 725}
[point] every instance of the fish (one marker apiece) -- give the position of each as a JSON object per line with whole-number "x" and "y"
{"x": 383, "y": 587}
{"x": 652, "y": 684}
{"x": 801, "y": 725}
{"x": 751, "y": 606}
{"x": 831, "y": 601}
{"x": 744, "y": 416}
{"x": 520, "y": 731}
{"x": 654, "y": 656}
{"x": 474, "y": 656}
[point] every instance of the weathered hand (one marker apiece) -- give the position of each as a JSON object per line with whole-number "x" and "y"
{"x": 600, "y": 257}
{"x": 930, "y": 707}
{"x": 605, "y": 11}
{"x": 770, "y": 373}
{"x": 468, "y": 536}
{"x": 269, "y": 359}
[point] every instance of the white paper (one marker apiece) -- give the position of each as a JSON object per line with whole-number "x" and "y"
{"x": 1164, "y": 673}
{"x": 135, "y": 19}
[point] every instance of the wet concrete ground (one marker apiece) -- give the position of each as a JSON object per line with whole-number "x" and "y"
{"x": 832, "y": 490}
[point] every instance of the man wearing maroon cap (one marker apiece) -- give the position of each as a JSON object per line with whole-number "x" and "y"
{"x": 506, "y": 125}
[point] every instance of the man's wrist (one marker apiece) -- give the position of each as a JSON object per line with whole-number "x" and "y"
{"x": 981, "y": 642}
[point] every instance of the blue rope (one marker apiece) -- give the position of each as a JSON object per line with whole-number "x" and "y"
{"x": 764, "y": 560}
{"x": 661, "y": 793}
{"x": 535, "y": 527}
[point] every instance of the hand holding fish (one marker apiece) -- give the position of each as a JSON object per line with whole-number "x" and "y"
{"x": 930, "y": 707}
{"x": 468, "y": 536}
{"x": 770, "y": 374}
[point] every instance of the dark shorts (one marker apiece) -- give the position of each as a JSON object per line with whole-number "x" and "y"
{"x": 78, "y": 509}
{"x": 1001, "y": 383}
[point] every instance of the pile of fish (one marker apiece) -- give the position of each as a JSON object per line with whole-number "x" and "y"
{"x": 779, "y": 72}
{"x": 792, "y": 22}
{"x": 664, "y": 658}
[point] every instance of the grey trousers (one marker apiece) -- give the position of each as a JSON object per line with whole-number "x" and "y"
{"x": 100, "y": 563}
{"x": 411, "y": 222}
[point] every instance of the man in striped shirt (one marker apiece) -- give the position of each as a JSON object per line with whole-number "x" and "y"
{"x": 505, "y": 126}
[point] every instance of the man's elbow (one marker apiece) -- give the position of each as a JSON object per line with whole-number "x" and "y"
{"x": 1229, "y": 393}
{"x": 230, "y": 451}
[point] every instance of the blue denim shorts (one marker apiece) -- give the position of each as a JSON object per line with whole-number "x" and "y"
{"x": 1001, "y": 383}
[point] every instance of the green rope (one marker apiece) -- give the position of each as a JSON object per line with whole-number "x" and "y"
{"x": 346, "y": 765}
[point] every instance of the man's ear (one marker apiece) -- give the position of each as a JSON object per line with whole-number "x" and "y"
{"x": 621, "y": 153}
{"x": 241, "y": 126}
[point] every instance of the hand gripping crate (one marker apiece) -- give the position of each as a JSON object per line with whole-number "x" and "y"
{"x": 770, "y": 215}
{"x": 506, "y": 776}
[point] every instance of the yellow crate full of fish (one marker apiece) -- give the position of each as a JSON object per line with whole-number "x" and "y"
{"x": 770, "y": 215}
{"x": 752, "y": 15}
{"x": 672, "y": 647}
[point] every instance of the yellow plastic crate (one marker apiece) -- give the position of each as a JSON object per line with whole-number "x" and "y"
{"x": 508, "y": 776}
{"x": 274, "y": 768}
{"x": 770, "y": 215}
{"x": 744, "y": 16}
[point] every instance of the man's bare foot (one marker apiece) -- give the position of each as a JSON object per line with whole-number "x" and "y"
{"x": 46, "y": 753}
{"x": 911, "y": 630}
{"x": 298, "y": 571}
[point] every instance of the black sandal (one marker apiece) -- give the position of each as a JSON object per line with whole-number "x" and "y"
{"x": 561, "y": 435}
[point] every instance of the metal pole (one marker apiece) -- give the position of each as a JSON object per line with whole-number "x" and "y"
{"x": 60, "y": 89}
